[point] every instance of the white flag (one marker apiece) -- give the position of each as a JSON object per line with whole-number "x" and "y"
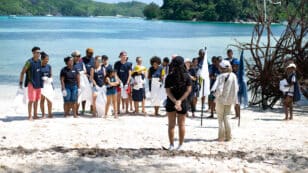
{"x": 204, "y": 74}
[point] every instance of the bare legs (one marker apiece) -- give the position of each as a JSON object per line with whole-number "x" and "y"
{"x": 112, "y": 99}
{"x": 171, "y": 126}
{"x": 68, "y": 106}
{"x": 288, "y": 107}
{"x": 49, "y": 105}
{"x": 156, "y": 109}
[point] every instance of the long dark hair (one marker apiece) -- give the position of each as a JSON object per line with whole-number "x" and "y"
{"x": 178, "y": 69}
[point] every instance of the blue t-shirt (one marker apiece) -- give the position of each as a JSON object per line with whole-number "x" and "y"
{"x": 46, "y": 70}
{"x": 108, "y": 68}
{"x": 33, "y": 74}
{"x": 89, "y": 63}
{"x": 231, "y": 60}
{"x": 99, "y": 77}
{"x": 79, "y": 66}
{"x": 70, "y": 76}
{"x": 123, "y": 70}
{"x": 213, "y": 71}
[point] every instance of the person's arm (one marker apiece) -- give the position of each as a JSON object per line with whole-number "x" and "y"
{"x": 129, "y": 77}
{"x": 22, "y": 73}
{"x": 78, "y": 81}
{"x": 116, "y": 83}
{"x": 92, "y": 77}
{"x": 50, "y": 72}
{"x": 62, "y": 83}
{"x": 170, "y": 95}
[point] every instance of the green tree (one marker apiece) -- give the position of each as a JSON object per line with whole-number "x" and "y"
{"x": 151, "y": 11}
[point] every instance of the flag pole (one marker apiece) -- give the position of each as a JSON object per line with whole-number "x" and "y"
{"x": 202, "y": 97}
{"x": 202, "y": 101}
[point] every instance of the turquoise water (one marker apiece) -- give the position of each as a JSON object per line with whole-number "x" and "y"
{"x": 59, "y": 36}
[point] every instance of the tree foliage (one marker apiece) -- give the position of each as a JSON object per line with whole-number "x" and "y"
{"x": 221, "y": 10}
{"x": 151, "y": 11}
{"x": 70, "y": 8}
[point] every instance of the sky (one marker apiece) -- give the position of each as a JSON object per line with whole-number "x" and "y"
{"x": 159, "y": 2}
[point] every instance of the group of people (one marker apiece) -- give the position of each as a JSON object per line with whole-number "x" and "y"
{"x": 174, "y": 82}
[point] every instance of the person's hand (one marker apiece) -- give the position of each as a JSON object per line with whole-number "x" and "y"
{"x": 79, "y": 91}
{"x": 20, "y": 85}
{"x": 64, "y": 93}
{"x": 50, "y": 80}
{"x": 178, "y": 105}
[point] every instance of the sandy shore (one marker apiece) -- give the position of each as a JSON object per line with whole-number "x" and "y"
{"x": 263, "y": 143}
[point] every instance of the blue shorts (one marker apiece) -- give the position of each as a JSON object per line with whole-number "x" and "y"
{"x": 72, "y": 94}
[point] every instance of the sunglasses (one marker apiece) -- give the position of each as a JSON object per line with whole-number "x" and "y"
{"x": 77, "y": 56}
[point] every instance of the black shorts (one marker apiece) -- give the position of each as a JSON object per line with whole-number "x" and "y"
{"x": 170, "y": 107}
{"x": 138, "y": 95}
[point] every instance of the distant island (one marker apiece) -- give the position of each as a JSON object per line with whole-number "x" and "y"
{"x": 191, "y": 10}
{"x": 70, "y": 8}
{"x": 220, "y": 10}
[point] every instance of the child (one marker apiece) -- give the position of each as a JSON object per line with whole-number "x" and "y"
{"x": 138, "y": 87}
{"x": 112, "y": 82}
{"x": 290, "y": 89}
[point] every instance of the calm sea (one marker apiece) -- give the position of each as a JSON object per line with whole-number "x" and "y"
{"x": 59, "y": 36}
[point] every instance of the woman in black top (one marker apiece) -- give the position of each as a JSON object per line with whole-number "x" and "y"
{"x": 70, "y": 85}
{"x": 178, "y": 87}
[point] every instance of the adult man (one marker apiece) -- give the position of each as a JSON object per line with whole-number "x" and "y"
{"x": 33, "y": 81}
{"x": 123, "y": 71}
{"x": 88, "y": 61}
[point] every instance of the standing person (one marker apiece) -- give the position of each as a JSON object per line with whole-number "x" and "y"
{"x": 201, "y": 59}
{"x": 107, "y": 67}
{"x": 196, "y": 85}
{"x": 138, "y": 93}
{"x": 123, "y": 71}
{"x": 143, "y": 72}
{"x": 70, "y": 85}
{"x": 97, "y": 77}
{"x": 47, "y": 78}
{"x": 193, "y": 77}
{"x": 88, "y": 61}
{"x": 237, "y": 106}
{"x": 165, "y": 65}
{"x": 112, "y": 82}
{"x": 230, "y": 57}
{"x": 178, "y": 87}
{"x": 33, "y": 81}
{"x": 225, "y": 91}
{"x": 214, "y": 72}
{"x": 290, "y": 90}
{"x": 155, "y": 76}
{"x": 79, "y": 66}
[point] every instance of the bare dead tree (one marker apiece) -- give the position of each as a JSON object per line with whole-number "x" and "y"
{"x": 269, "y": 55}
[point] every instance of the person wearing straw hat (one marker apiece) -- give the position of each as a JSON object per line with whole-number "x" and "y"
{"x": 225, "y": 91}
{"x": 290, "y": 90}
{"x": 138, "y": 82}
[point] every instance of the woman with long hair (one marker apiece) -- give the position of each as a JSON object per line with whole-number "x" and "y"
{"x": 178, "y": 87}
{"x": 47, "y": 90}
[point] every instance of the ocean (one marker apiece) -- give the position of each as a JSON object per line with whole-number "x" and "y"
{"x": 59, "y": 36}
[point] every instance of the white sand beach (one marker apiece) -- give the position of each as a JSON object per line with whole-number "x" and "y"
{"x": 263, "y": 143}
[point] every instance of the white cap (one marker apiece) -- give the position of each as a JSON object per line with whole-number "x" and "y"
{"x": 225, "y": 64}
{"x": 75, "y": 53}
{"x": 291, "y": 65}
{"x": 187, "y": 60}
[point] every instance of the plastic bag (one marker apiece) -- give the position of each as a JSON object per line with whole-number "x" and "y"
{"x": 101, "y": 101}
{"x": 86, "y": 89}
{"x": 20, "y": 101}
